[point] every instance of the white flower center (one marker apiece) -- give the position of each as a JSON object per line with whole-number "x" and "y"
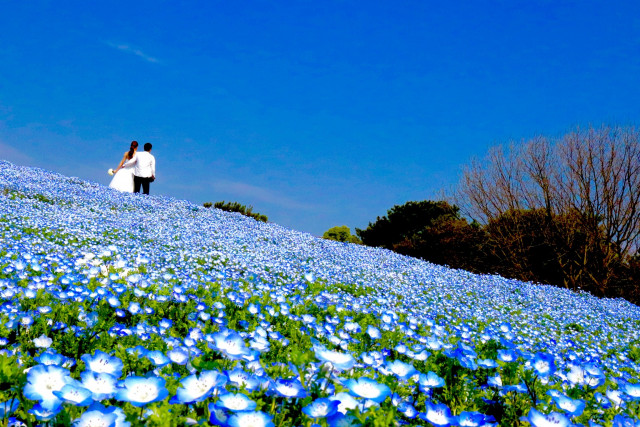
{"x": 320, "y": 409}
{"x": 366, "y": 390}
{"x": 144, "y": 392}
{"x": 251, "y": 420}
{"x": 202, "y": 386}
{"x": 236, "y": 403}
{"x": 51, "y": 382}
{"x": 287, "y": 389}
{"x": 96, "y": 420}
{"x": 437, "y": 417}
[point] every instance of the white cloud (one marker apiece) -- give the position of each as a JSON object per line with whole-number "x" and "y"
{"x": 242, "y": 190}
{"x": 14, "y": 155}
{"x": 129, "y": 49}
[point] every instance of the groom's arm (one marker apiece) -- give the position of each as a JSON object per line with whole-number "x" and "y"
{"x": 153, "y": 167}
{"x": 130, "y": 162}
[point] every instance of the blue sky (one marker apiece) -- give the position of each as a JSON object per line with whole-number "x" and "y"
{"x": 316, "y": 113}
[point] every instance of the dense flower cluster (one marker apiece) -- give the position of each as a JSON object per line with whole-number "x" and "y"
{"x": 122, "y": 310}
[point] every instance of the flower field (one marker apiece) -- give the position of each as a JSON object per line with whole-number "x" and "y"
{"x": 119, "y": 309}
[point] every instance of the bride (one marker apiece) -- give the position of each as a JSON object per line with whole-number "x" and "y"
{"x": 123, "y": 177}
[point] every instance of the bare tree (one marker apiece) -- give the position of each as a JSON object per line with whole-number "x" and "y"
{"x": 587, "y": 183}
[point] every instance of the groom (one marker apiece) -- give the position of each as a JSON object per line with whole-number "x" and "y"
{"x": 144, "y": 171}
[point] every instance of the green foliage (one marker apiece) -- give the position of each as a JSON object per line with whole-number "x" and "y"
{"x": 634, "y": 351}
{"x": 15, "y": 194}
{"x": 430, "y": 230}
{"x": 406, "y": 222}
{"x": 237, "y": 207}
{"x": 341, "y": 233}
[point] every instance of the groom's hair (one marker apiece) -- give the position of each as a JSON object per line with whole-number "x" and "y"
{"x": 147, "y": 146}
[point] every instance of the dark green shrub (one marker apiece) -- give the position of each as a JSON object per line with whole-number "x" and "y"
{"x": 237, "y": 207}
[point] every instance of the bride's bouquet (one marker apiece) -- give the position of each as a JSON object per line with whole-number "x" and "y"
{"x": 111, "y": 171}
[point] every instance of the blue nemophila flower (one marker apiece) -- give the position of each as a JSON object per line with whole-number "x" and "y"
{"x": 468, "y": 362}
{"x": 573, "y": 407}
{"x": 26, "y": 321}
{"x": 114, "y": 301}
{"x": 632, "y": 390}
{"x": 554, "y": 419}
{"x": 308, "y": 319}
{"x": 518, "y": 388}
{"x": 101, "y": 385}
{"x": 250, "y": 419}
{"x": 402, "y": 370}
{"x": 42, "y": 381}
{"x": 368, "y": 389}
{"x": 75, "y": 394}
{"x": 241, "y": 378}
{"x": 102, "y": 363}
{"x": 588, "y": 374}
{"x": 594, "y": 376}
{"x": 218, "y": 416}
{"x": 50, "y": 357}
{"x": 140, "y": 391}
{"x": 437, "y": 414}
{"x": 352, "y": 327}
{"x": 97, "y": 416}
{"x": 236, "y": 402}
{"x": 179, "y": 355}
{"x": 196, "y": 388}
{"x": 487, "y": 363}
{"x": 543, "y": 364}
{"x": 408, "y": 410}
{"x": 45, "y": 413}
{"x": 507, "y": 355}
{"x": 321, "y": 408}
{"x": 623, "y": 421}
{"x": 373, "y": 332}
{"x": 137, "y": 351}
{"x": 430, "y": 380}
{"x": 346, "y": 401}
{"x": 260, "y": 344}
{"x": 339, "y": 361}
{"x": 230, "y": 344}
{"x": 494, "y": 381}
{"x": 372, "y": 358}
{"x": 602, "y": 401}
{"x": 42, "y": 341}
{"x": 134, "y": 307}
{"x": 341, "y": 420}
{"x": 401, "y": 348}
{"x": 158, "y": 358}
{"x": 473, "y": 419}
{"x": 165, "y": 323}
{"x": 289, "y": 388}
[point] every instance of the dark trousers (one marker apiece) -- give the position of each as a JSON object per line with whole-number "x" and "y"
{"x": 139, "y": 181}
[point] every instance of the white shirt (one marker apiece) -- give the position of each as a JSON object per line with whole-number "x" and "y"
{"x": 145, "y": 164}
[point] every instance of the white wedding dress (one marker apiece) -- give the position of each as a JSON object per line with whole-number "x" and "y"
{"x": 123, "y": 180}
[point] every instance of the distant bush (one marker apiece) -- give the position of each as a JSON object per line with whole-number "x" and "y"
{"x": 237, "y": 207}
{"x": 341, "y": 233}
{"x": 431, "y": 230}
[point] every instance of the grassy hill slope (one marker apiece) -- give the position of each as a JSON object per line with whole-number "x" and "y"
{"x": 92, "y": 269}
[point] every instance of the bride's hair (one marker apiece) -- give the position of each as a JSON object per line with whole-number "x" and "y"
{"x": 134, "y": 145}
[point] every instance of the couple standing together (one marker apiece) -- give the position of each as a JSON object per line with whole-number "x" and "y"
{"x": 135, "y": 170}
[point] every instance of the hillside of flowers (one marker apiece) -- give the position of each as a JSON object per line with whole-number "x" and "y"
{"x": 126, "y": 310}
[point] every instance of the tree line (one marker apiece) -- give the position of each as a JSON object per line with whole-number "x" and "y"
{"x": 562, "y": 211}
